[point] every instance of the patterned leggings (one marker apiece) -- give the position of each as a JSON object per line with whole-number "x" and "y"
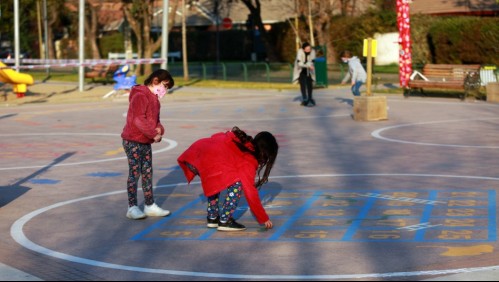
{"x": 139, "y": 164}
{"x": 228, "y": 207}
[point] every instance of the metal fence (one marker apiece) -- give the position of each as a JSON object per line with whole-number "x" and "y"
{"x": 244, "y": 71}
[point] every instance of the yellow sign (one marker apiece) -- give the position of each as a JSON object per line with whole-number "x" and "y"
{"x": 374, "y": 48}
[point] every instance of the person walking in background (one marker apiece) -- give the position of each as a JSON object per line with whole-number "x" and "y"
{"x": 230, "y": 161}
{"x": 142, "y": 128}
{"x": 304, "y": 73}
{"x": 356, "y": 72}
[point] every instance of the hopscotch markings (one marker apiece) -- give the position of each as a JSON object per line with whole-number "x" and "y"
{"x": 420, "y": 226}
{"x": 475, "y": 250}
{"x": 400, "y": 216}
{"x": 114, "y": 152}
{"x": 402, "y": 199}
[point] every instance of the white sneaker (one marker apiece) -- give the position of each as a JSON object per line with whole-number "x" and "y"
{"x": 154, "y": 210}
{"x": 135, "y": 213}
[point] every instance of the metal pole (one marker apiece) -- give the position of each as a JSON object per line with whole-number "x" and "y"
{"x": 46, "y": 34}
{"x": 218, "y": 31}
{"x": 81, "y": 30}
{"x": 184, "y": 42}
{"x": 16, "y": 34}
{"x": 164, "y": 33}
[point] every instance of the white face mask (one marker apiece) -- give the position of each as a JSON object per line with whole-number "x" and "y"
{"x": 159, "y": 90}
{"x": 345, "y": 60}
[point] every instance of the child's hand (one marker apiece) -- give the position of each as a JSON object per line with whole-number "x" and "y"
{"x": 158, "y": 130}
{"x": 268, "y": 224}
{"x": 157, "y": 138}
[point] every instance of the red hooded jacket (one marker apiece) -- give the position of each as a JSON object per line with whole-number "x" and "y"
{"x": 143, "y": 116}
{"x": 220, "y": 164}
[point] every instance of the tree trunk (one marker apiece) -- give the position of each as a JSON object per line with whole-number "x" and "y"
{"x": 135, "y": 22}
{"x": 147, "y": 51}
{"x": 140, "y": 21}
{"x": 255, "y": 11}
{"x": 322, "y": 23}
{"x": 52, "y": 16}
{"x": 91, "y": 29}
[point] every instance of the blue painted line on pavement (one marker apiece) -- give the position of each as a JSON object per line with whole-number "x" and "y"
{"x": 280, "y": 231}
{"x": 105, "y": 174}
{"x": 44, "y": 181}
{"x": 420, "y": 234}
{"x": 164, "y": 220}
{"x": 175, "y": 167}
{"x": 362, "y": 215}
{"x": 492, "y": 216}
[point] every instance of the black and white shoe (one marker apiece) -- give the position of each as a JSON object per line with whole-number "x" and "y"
{"x": 230, "y": 225}
{"x": 212, "y": 222}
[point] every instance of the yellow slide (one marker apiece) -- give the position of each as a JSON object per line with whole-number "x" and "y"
{"x": 18, "y": 80}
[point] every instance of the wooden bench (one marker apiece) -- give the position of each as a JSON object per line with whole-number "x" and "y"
{"x": 445, "y": 76}
{"x": 102, "y": 71}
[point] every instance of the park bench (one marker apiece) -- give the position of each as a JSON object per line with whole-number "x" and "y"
{"x": 101, "y": 71}
{"x": 464, "y": 78}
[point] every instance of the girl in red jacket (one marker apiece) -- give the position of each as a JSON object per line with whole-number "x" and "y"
{"x": 230, "y": 161}
{"x": 143, "y": 128}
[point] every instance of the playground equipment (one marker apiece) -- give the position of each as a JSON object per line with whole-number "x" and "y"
{"x": 18, "y": 80}
{"x": 123, "y": 82}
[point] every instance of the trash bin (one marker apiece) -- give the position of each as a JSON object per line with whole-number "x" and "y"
{"x": 320, "y": 65}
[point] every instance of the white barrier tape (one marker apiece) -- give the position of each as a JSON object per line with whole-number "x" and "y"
{"x": 76, "y": 63}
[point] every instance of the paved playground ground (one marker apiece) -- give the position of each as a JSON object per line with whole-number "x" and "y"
{"x": 413, "y": 197}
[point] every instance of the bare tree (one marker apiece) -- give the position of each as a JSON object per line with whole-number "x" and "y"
{"x": 255, "y": 8}
{"x": 92, "y": 27}
{"x": 322, "y": 12}
{"x": 54, "y": 10}
{"x": 322, "y": 15}
{"x": 139, "y": 14}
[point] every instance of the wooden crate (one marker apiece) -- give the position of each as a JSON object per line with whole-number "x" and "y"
{"x": 493, "y": 92}
{"x": 370, "y": 108}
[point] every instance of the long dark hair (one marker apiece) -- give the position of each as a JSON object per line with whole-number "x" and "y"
{"x": 266, "y": 149}
{"x": 162, "y": 75}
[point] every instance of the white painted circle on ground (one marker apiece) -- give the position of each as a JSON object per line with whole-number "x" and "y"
{"x": 377, "y": 134}
{"x": 171, "y": 144}
{"x": 18, "y": 235}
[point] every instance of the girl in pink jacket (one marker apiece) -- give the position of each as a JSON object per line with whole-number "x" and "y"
{"x": 143, "y": 128}
{"x": 230, "y": 161}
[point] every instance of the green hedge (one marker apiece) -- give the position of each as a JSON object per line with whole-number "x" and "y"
{"x": 464, "y": 40}
{"x": 111, "y": 43}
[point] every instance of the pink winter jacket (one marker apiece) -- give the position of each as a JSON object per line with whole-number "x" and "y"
{"x": 143, "y": 116}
